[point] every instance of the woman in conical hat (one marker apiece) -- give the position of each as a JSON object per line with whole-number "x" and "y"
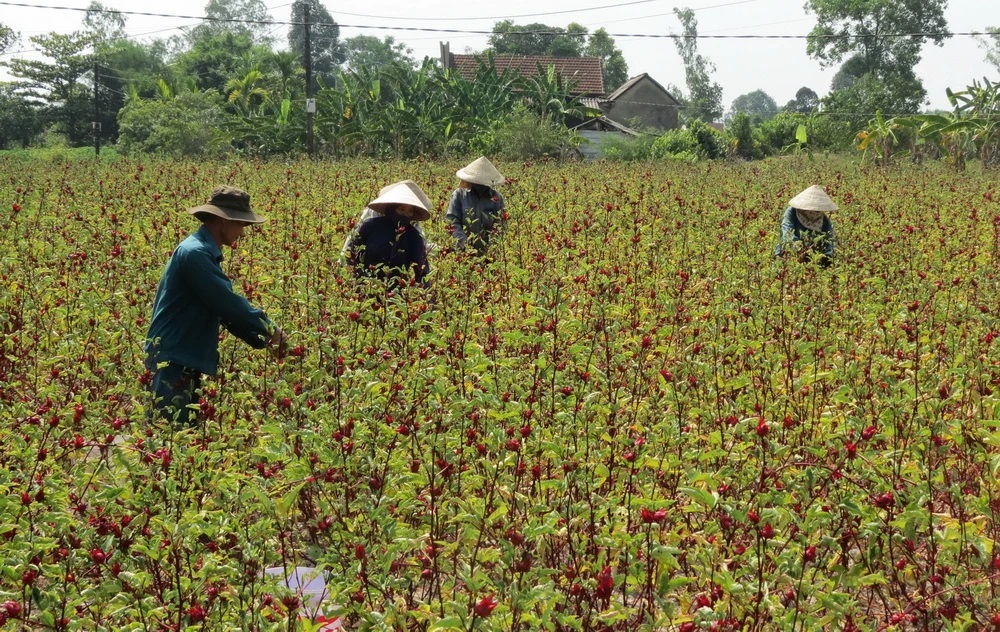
{"x": 388, "y": 245}
{"x": 806, "y": 226}
{"x": 476, "y": 210}
{"x": 369, "y": 213}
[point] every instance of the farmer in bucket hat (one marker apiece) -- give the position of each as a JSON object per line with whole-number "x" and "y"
{"x": 388, "y": 245}
{"x": 194, "y": 298}
{"x": 476, "y": 210}
{"x": 807, "y": 228}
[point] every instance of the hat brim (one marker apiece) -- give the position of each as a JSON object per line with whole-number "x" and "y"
{"x": 813, "y": 199}
{"x": 420, "y": 214}
{"x": 475, "y": 178}
{"x": 402, "y": 193}
{"x": 236, "y": 215}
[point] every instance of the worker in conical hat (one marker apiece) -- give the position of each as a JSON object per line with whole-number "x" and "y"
{"x": 476, "y": 211}
{"x": 806, "y": 227}
{"x": 388, "y": 246}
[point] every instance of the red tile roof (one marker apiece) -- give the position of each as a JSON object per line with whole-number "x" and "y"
{"x": 584, "y": 72}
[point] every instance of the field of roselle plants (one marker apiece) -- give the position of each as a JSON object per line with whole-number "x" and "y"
{"x": 629, "y": 417}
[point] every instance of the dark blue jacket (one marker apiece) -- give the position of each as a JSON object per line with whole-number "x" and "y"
{"x": 387, "y": 246}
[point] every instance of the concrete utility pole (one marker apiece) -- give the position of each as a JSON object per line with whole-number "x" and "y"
{"x": 310, "y": 101}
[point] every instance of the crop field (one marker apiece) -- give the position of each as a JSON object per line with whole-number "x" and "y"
{"x": 629, "y": 416}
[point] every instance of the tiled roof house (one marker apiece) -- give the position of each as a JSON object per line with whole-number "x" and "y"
{"x": 583, "y": 74}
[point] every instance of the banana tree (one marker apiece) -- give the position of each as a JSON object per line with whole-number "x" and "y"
{"x": 979, "y": 106}
{"x": 882, "y": 136}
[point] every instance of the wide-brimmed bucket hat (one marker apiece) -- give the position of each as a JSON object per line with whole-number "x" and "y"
{"x": 813, "y": 199}
{"x": 481, "y": 171}
{"x": 229, "y": 203}
{"x": 404, "y": 192}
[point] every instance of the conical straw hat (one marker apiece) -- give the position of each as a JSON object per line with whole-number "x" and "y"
{"x": 423, "y": 197}
{"x": 813, "y": 199}
{"x": 480, "y": 171}
{"x": 405, "y": 192}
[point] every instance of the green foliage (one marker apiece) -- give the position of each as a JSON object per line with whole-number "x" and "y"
{"x": 245, "y": 18}
{"x": 740, "y": 130}
{"x": 7, "y": 37}
{"x": 780, "y": 132}
{"x": 187, "y": 125}
{"x": 621, "y": 148}
{"x": 704, "y": 98}
{"x": 396, "y": 110}
{"x": 613, "y": 64}
{"x": 885, "y": 137}
{"x": 758, "y": 105}
{"x": 20, "y": 123}
{"x": 509, "y": 38}
{"x": 216, "y": 57}
{"x": 327, "y": 52}
{"x": 971, "y": 131}
{"x": 369, "y": 51}
{"x": 990, "y": 43}
{"x": 525, "y": 135}
{"x": 59, "y": 85}
{"x": 629, "y": 415}
{"x": 805, "y": 102}
{"x": 106, "y": 26}
{"x": 697, "y": 139}
{"x": 879, "y": 66}
{"x": 844, "y": 28}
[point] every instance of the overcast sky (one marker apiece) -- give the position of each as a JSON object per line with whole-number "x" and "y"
{"x": 779, "y": 67}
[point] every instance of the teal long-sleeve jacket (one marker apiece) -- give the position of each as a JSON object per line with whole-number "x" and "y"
{"x": 194, "y": 298}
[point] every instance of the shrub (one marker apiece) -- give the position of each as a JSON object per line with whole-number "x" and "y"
{"x": 742, "y": 137}
{"x": 621, "y": 148}
{"x": 187, "y": 125}
{"x": 697, "y": 139}
{"x": 524, "y": 135}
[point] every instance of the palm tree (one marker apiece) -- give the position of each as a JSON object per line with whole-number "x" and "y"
{"x": 248, "y": 93}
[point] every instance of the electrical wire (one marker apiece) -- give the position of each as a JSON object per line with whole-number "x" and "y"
{"x": 490, "y": 32}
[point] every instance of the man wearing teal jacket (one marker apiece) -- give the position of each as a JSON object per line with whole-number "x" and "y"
{"x": 194, "y": 298}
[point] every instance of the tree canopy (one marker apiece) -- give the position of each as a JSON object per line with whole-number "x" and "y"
{"x": 990, "y": 43}
{"x": 615, "y": 69}
{"x": 757, "y": 105}
{"x": 244, "y": 17}
{"x": 7, "y": 37}
{"x": 805, "y": 102}
{"x": 509, "y": 38}
{"x": 368, "y": 50}
{"x": 59, "y": 84}
{"x": 324, "y": 39}
{"x": 704, "y": 95}
{"x": 865, "y": 37}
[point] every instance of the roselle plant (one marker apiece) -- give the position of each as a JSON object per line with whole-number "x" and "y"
{"x": 627, "y": 416}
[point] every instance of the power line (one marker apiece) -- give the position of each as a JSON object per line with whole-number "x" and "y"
{"x": 490, "y": 32}
{"x": 531, "y": 15}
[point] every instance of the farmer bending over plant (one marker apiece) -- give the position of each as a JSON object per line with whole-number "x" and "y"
{"x": 476, "y": 210}
{"x": 194, "y": 298}
{"x": 389, "y": 245}
{"x": 806, "y": 228}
